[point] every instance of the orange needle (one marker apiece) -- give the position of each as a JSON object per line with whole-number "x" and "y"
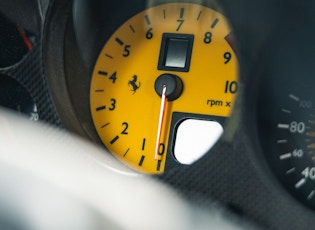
{"x": 160, "y": 124}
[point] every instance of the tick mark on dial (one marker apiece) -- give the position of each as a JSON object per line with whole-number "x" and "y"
{"x": 311, "y": 195}
{"x": 147, "y": 19}
{"x": 199, "y": 16}
{"x": 114, "y": 140}
{"x": 285, "y": 156}
{"x": 132, "y": 29}
{"x": 300, "y": 183}
{"x": 141, "y": 160}
{"x": 126, "y": 152}
{"x": 181, "y": 14}
{"x": 100, "y": 108}
{"x": 283, "y": 126}
{"x": 286, "y": 111}
{"x": 213, "y": 25}
{"x": 282, "y": 141}
{"x": 119, "y": 41}
{"x": 100, "y": 72}
{"x": 109, "y": 56}
{"x": 158, "y": 166}
{"x": 143, "y": 144}
{"x": 292, "y": 170}
{"x": 293, "y": 97}
{"x": 103, "y": 126}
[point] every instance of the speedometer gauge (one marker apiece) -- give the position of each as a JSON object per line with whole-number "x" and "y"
{"x": 286, "y": 118}
{"x": 165, "y": 77}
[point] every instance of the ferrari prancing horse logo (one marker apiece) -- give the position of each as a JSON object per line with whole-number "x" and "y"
{"x": 133, "y": 84}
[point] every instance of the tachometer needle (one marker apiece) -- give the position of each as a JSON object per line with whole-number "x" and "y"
{"x": 26, "y": 40}
{"x": 160, "y": 124}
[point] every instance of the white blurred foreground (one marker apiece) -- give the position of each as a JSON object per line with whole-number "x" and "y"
{"x": 52, "y": 180}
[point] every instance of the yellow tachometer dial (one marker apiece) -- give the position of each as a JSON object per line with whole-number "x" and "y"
{"x": 171, "y": 59}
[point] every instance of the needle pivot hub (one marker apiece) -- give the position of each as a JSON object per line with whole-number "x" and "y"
{"x": 174, "y": 86}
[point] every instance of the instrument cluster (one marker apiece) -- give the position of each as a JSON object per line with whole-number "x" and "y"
{"x": 214, "y": 98}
